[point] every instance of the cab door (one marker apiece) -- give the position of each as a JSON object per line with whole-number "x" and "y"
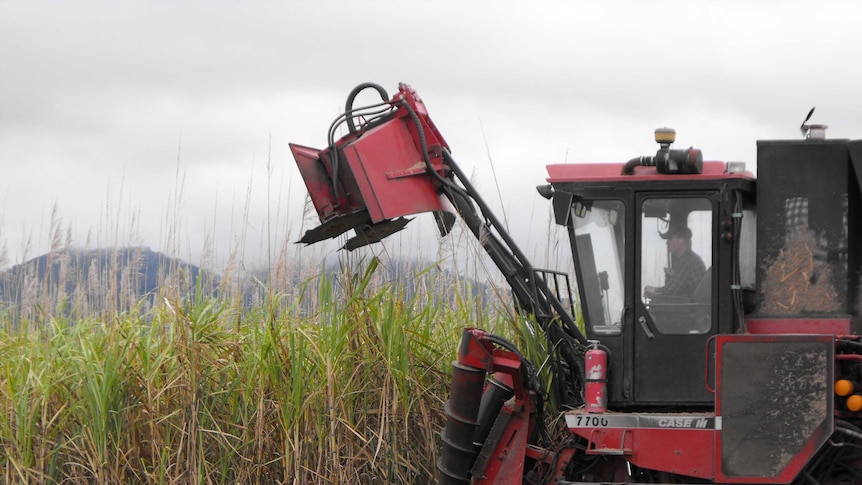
{"x": 675, "y": 303}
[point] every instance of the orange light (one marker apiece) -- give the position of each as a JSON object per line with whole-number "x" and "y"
{"x": 843, "y": 387}
{"x": 854, "y": 402}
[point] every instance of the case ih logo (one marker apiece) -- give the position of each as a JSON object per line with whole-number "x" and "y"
{"x": 683, "y": 423}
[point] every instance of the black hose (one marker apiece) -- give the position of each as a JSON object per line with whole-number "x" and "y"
{"x": 850, "y": 343}
{"x": 347, "y": 116}
{"x": 848, "y": 425}
{"x": 533, "y": 381}
{"x": 629, "y": 167}
{"x": 348, "y": 107}
{"x": 849, "y": 432}
{"x": 423, "y": 147}
{"x": 502, "y": 342}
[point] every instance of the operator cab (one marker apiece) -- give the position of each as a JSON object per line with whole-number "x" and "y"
{"x": 663, "y": 251}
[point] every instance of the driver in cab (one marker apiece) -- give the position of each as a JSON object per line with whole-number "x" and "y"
{"x": 686, "y": 268}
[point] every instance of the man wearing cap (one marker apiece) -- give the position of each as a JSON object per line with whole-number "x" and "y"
{"x": 686, "y": 267}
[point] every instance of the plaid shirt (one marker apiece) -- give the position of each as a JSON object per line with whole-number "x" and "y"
{"x": 684, "y": 275}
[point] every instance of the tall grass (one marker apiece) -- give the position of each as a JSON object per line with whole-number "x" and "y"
{"x": 247, "y": 379}
{"x": 201, "y": 390}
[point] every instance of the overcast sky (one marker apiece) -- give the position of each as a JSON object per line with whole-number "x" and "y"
{"x": 152, "y": 123}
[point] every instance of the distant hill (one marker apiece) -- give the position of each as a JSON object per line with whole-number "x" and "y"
{"x": 88, "y": 281}
{"x": 76, "y": 283}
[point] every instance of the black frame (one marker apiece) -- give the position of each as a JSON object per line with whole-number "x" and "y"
{"x": 629, "y": 385}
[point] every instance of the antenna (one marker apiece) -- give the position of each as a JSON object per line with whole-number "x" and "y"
{"x": 812, "y": 132}
{"x": 803, "y": 127}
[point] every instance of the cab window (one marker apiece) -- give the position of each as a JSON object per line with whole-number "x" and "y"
{"x": 676, "y": 256}
{"x": 600, "y": 244}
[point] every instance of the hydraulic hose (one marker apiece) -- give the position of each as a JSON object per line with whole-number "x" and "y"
{"x": 348, "y": 107}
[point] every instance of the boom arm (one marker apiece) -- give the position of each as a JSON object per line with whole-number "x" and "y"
{"x": 530, "y": 289}
{"x": 395, "y": 163}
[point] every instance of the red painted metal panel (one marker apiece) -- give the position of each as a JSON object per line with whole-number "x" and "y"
{"x": 382, "y": 161}
{"x": 610, "y": 172}
{"x": 681, "y": 443}
{"x": 686, "y": 452}
{"x": 318, "y": 179}
{"x": 814, "y": 326}
{"x": 506, "y": 466}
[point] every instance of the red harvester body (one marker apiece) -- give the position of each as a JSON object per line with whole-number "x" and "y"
{"x": 722, "y": 313}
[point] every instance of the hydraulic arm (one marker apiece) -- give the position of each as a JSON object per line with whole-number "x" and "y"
{"x": 392, "y": 163}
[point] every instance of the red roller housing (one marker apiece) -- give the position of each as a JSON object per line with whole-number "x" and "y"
{"x": 376, "y": 174}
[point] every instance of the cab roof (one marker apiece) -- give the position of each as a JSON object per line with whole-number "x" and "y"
{"x": 611, "y": 172}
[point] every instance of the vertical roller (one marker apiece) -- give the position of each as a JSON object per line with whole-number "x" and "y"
{"x": 462, "y": 412}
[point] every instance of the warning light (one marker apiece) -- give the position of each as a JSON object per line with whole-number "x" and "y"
{"x": 843, "y": 387}
{"x": 854, "y": 402}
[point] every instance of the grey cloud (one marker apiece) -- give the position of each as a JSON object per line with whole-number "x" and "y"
{"x": 115, "y": 92}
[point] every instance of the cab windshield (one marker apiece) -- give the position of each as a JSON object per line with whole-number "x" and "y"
{"x": 599, "y": 243}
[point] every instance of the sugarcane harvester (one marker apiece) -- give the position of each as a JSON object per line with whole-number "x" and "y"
{"x": 721, "y": 312}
